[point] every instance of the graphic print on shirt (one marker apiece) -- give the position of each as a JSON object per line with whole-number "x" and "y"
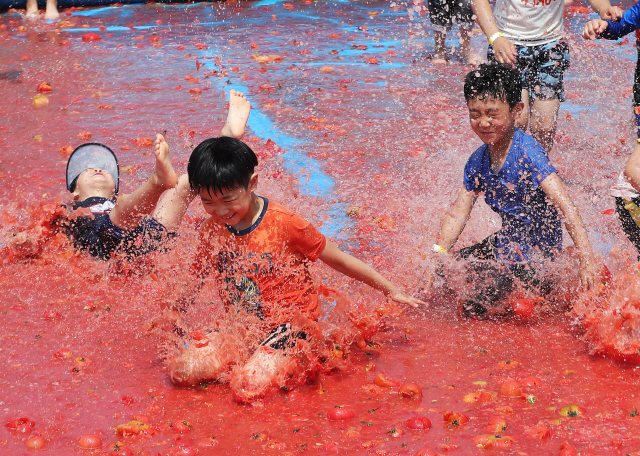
{"x": 242, "y": 291}
{"x": 102, "y": 208}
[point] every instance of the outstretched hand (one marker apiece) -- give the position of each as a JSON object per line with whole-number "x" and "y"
{"x": 403, "y": 298}
{"x": 505, "y": 51}
{"x": 594, "y": 29}
{"x": 613, "y": 13}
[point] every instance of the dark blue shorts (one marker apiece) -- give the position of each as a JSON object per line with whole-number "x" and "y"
{"x": 542, "y": 68}
{"x": 443, "y": 13}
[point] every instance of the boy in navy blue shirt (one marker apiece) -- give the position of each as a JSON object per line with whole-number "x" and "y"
{"x": 518, "y": 181}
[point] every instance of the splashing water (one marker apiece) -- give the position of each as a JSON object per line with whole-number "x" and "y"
{"x": 359, "y": 134}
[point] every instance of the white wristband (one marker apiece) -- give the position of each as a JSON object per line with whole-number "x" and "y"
{"x": 494, "y": 37}
{"x": 438, "y": 249}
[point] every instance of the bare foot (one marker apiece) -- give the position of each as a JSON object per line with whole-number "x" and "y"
{"x": 32, "y": 9}
{"x": 472, "y": 58}
{"x": 51, "y": 14}
{"x": 259, "y": 374}
{"x": 239, "y": 110}
{"x": 164, "y": 174}
{"x": 439, "y": 59}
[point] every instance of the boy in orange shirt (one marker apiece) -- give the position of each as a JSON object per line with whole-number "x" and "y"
{"x": 260, "y": 252}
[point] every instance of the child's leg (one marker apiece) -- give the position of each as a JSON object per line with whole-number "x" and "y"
{"x": 440, "y": 51}
{"x": 548, "y": 64}
{"x": 174, "y": 203}
{"x": 440, "y": 15}
{"x": 544, "y": 120}
{"x": 32, "y": 8}
{"x": 239, "y": 110}
{"x": 130, "y": 209}
{"x": 51, "y": 13}
{"x": 464, "y": 16}
{"x": 465, "y": 47}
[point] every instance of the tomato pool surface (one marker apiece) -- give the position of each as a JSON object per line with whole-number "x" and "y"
{"x": 359, "y": 133}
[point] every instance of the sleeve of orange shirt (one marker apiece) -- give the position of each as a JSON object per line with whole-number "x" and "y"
{"x": 306, "y": 238}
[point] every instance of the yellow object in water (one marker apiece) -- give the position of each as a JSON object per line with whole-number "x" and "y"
{"x": 634, "y": 211}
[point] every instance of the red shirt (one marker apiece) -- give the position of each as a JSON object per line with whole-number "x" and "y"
{"x": 263, "y": 270}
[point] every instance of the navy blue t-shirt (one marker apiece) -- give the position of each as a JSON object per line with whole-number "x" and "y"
{"x": 530, "y": 224}
{"x": 98, "y": 235}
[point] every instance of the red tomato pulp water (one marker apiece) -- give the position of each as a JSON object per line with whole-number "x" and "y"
{"x": 79, "y": 347}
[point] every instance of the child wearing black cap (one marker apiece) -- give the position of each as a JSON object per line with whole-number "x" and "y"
{"x": 107, "y": 225}
{"x": 131, "y": 224}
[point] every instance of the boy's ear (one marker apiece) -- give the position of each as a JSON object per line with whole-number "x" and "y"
{"x": 253, "y": 182}
{"x": 517, "y": 109}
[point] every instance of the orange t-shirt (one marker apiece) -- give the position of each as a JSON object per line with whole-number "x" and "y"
{"x": 263, "y": 270}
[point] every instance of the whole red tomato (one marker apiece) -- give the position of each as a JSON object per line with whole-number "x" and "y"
{"x": 118, "y": 449}
{"x": 410, "y": 391}
{"x": 455, "y": 418}
{"x": 418, "y": 423}
{"x": 340, "y": 414}
{"x": 44, "y": 87}
{"x": 523, "y": 308}
{"x": 511, "y": 388}
{"x": 90, "y": 441}
{"x": 181, "y": 426}
{"x": 35, "y": 442}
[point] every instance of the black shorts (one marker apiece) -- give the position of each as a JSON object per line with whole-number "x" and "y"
{"x": 542, "y": 68}
{"x": 102, "y": 239}
{"x": 490, "y": 281}
{"x": 282, "y": 337}
{"x": 443, "y": 12}
{"x": 628, "y": 225}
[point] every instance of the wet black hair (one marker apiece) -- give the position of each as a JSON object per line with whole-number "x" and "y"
{"x": 494, "y": 81}
{"x": 221, "y": 164}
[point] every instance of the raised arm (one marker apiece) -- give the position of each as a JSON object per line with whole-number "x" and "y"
{"x": 356, "y": 269}
{"x": 557, "y": 193}
{"x": 452, "y": 225}
{"x": 504, "y": 50}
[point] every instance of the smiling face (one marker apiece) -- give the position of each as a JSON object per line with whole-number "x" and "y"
{"x": 94, "y": 182}
{"x": 237, "y": 207}
{"x": 492, "y": 120}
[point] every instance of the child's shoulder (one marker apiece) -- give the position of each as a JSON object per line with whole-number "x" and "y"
{"x": 525, "y": 148}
